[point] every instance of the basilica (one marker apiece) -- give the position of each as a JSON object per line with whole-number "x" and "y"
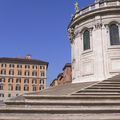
{"x": 94, "y": 93}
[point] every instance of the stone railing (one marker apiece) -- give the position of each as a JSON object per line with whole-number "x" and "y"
{"x": 97, "y": 6}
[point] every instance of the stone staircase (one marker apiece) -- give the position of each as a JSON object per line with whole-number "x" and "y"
{"x": 95, "y": 101}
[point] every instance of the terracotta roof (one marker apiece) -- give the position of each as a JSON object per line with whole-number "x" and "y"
{"x": 22, "y": 61}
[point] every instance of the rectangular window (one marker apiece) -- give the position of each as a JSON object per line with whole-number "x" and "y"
{"x": 42, "y": 74}
{"x": 10, "y": 87}
{"x": 42, "y": 67}
{"x": 26, "y": 81}
{"x": 34, "y": 66}
{"x": 19, "y": 66}
{"x": 1, "y": 95}
{"x": 26, "y": 73}
{"x": 19, "y": 72}
{"x": 1, "y": 87}
{"x": 9, "y": 95}
{"x": 18, "y": 80}
{"x": 27, "y": 66}
{"x": 10, "y": 80}
{"x": 26, "y": 88}
{"x": 34, "y": 88}
{"x": 3, "y": 72}
{"x": 3, "y": 65}
{"x": 11, "y": 72}
{"x": 11, "y": 65}
{"x": 42, "y": 81}
{"x": 34, "y": 81}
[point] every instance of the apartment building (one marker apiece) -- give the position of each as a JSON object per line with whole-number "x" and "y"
{"x": 21, "y": 75}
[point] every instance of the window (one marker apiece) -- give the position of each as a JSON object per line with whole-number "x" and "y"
{"x": 26, "y": 88}
{"x": 34, "y": 73}
{"x": 1, "y": 95}
{"x": 42, "y": 81}
{"x": 11, "y": 65}
{"x": 26, "y": 81}
{"x": 3, "y": 65}
{"x": 3, "y": 72}
{"x": 11, "y": 72}
{"x": 34, "y": 81}
{"x": 27, "y": 66}
{"x": 10, "y": 80}
{"x": 34, "y": 88}
{"x": 18, "y": 80}
{"x": 41, "y": 87}
{"x": 10, "y": 87}
{"x": 9, "y": 95}
{"x": 1, "y": 87}
{"x": 42, "y": 73}
{"x": 19, "y": 72}
{"x": 114, "y": 34}
{"x": 19, "y": 66}
{"x": 86, "y": 40}
{"x": 42, "y": 67}
{"x": 34, "y": 66}
{"x": 26, "y": 73}
{"x": 2, "y": 80}
{"x": 18, "y": 88}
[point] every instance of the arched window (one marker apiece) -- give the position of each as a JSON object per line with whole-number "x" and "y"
{"x": 114, "y": 34}
{"x": 86, "y": 40}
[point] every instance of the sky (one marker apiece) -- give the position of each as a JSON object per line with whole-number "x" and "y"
{"x": 39, "y": 28}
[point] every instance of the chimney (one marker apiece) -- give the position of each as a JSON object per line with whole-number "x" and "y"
{"x": 28, "y": 56}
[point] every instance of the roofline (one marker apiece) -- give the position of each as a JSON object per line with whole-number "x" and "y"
{"x": 66, "y": 65}
{"x": 23, "y": 61}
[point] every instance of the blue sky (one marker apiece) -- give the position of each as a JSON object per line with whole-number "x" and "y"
{"x": 39, "y": 28}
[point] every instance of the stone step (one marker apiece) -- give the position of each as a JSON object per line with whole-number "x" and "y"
{"x": 85, "y": 106}
{"x": 67, "y": 104}
{"x": 79, "y": 116}
{"x": 103, "y": 87}
{"x": 101, "y": 90}
{"x": 81, "y": 99}
{"x": 77, "y": 102}
{"x": 70, "y": 98}
{"x": 107, "y": 84}
{"x": 96, "y": 94}
{"x": 59, "y": 110}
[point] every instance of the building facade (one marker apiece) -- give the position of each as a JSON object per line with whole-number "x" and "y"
{"x": 63, "y": 78}
{"x": 21, "y": 75}
{"x": 67, "y": 74}
{"x": 95, "y": 41}
{"x": 54, "y": 83}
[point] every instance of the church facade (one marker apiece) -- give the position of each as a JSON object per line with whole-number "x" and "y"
{"x": 94, "y": 34}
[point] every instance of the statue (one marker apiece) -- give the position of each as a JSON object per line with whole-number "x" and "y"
{"x": 77, "y": 8}
{"x": 71, "y": 34}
